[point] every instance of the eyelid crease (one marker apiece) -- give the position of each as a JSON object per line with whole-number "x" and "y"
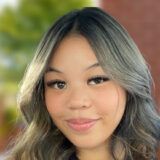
{"x": 96, "y": 76}
{"x": 100, "y": 76}
{"x": 53, "y": 82}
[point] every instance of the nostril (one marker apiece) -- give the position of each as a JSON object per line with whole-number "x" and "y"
{"x": 79, "y": 105}
{"x": 78, "y": 99}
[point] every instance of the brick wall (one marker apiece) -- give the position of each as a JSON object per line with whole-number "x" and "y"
{"x": 142, "y": 20}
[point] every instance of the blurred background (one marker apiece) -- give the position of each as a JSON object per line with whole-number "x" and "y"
{"x": 22, "y": 24}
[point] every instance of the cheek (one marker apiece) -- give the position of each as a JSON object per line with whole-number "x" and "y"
{"x": 111, "y": 99}
{"x": 53, "y": 103}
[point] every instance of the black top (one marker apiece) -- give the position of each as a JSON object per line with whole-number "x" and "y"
{"x": 73, "y": 157}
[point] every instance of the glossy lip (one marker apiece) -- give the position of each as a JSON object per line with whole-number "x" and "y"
{"x": 81, "y": 124}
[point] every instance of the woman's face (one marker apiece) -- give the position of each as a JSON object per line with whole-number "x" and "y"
{"x": 83, "y": 103}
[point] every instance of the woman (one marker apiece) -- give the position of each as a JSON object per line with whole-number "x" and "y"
{"x": 87, "y": 94}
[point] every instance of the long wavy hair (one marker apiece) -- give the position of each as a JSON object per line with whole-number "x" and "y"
{"x": 118, "y": 55}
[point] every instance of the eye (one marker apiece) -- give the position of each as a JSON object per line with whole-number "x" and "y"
{"x": 98, "y": 80}
{"x": 56, "y": 84}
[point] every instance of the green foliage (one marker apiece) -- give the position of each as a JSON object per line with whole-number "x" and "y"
{"x": 10, "y": 119}
{"x": 21, "y": 28}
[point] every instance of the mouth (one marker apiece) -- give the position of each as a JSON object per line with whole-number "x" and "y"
{"x": 81, "y": 124}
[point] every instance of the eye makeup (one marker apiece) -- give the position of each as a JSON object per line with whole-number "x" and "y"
{"x": 60, "y": 84}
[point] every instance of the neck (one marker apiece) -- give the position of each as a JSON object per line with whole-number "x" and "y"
{"x": 98, "y": 153}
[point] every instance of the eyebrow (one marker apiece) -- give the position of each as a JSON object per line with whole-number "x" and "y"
{"x": 53, "y": 69}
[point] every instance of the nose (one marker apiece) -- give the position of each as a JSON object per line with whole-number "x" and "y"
{"x": 79, "y": 99}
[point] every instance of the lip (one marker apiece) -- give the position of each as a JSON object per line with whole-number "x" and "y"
{"x": 81, "y": 124}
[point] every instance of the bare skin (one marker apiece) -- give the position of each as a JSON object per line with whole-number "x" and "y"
{"x": 78, "y": 95}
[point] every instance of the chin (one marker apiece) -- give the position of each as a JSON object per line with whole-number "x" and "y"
{"x": 88, "y": 143}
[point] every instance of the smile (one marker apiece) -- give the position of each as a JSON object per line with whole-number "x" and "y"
{"x": 81, "y": 125}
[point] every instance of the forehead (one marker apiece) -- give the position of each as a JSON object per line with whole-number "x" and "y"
{"x": 73, "y": 48}
{"x": 73, "y": 56}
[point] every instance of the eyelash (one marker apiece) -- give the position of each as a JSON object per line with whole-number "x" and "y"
{"x": 54, "y": 82}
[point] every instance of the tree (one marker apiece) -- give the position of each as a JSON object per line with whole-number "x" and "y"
{"x": 21, "y": 29}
